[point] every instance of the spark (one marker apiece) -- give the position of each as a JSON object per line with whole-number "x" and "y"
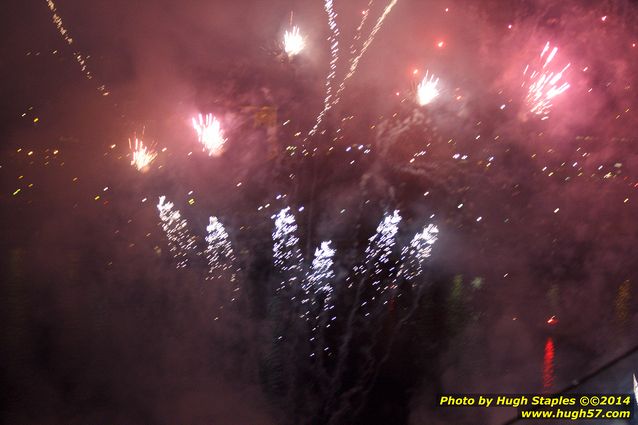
{"x": 364, "y": 17}
{"x": 334, "y": 96}
{"x": 427, "y": 90}
{"x": 293, "y": 42}
{"x": 176, "y": 228}
{"x": 354, "y": 62}
{"x": 142, "y": 155}
{"x": 79, "y": 57}
{"x": 544, "y": 85}
{"x": 210, "y": 134}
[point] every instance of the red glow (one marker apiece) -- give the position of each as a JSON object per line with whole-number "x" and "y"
{"x": 548, "y": 365}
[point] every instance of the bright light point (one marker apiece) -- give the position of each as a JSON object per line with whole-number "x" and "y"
{"x": 604, "y": 18}
{"x": 210, "y": 134}
{"x": 556, "y": 210}
{"x": 509, "y": 26}
{"x": 447, "y": 10}
{"x": 293, "y": 42}
{"x": 440, "y": 44}
{"x": 416, "y": 71}
{"x": 427, "y": 90}
{"x": 502, "y": 106}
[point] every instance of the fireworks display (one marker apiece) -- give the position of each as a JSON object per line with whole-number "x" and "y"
{"x": 544, "y": 84}
{"x": 373, "y": 235}
{"x": 293, "y": 42}
{"x": 427, "y": 89}
{"x": 210, "y": 134}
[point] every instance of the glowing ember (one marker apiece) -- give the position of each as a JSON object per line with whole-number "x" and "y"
{"x": 209, "y": 133}
{"x": 544, "y": 85}
{"x": 142, "y": 155}
{"x": 293, "y": 42}
{"x": 427, "y": 90}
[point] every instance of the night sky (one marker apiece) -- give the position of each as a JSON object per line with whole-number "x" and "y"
{"x": 503, "y": 133}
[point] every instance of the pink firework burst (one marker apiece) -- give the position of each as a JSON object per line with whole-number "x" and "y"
{"x": 210, "y": 134}
{"x": 544, "y": 84}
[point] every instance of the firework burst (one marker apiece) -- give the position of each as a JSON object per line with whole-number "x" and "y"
{"x": 427, "y": 89}
{"x": 545, "y": 84}
{"x": 210, "y": 134}
{"x": 294, "y": 43}
{"x": 142, "y": 154}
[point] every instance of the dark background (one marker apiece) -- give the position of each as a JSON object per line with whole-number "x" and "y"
{"x": 99, "y": 327}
